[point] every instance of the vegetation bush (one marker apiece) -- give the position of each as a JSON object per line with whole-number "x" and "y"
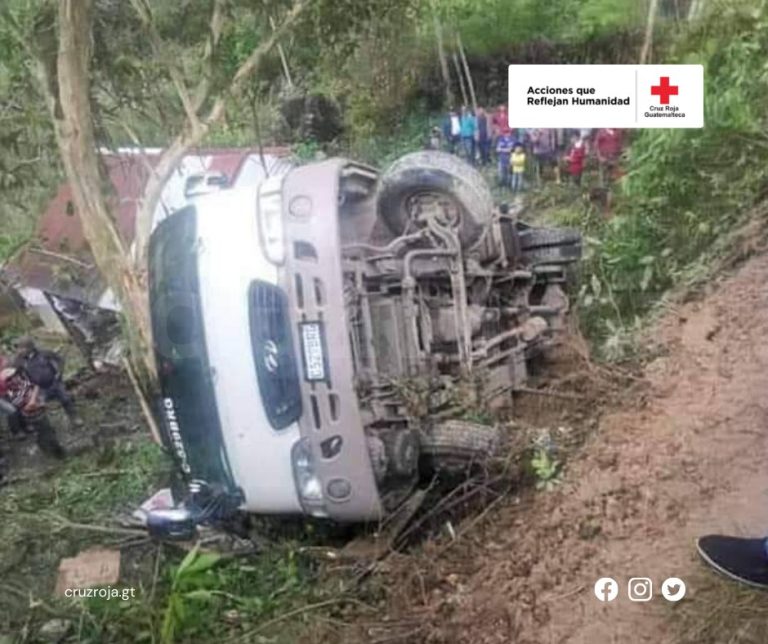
{"x": 684, "y": 189}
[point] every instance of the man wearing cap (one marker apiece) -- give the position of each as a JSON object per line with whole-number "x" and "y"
{"x": 24, "y": 404}
{"x": 44, "y": 369}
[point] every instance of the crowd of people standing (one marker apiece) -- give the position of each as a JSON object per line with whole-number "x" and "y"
{"x": 528, "y": 155}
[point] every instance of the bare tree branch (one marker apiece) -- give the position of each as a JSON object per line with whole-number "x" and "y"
{"x": 444, "y": 69}
{"x": 137, "y": 143}
{"x": 216, "y": 27}
{"x": 283, "y": 58}
{"x": 191, "y": 136}
{"x": 145, "y": 15}
{"x": 470, "y": 84}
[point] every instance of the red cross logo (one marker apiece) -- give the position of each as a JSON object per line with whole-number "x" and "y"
{"x": 664, "y": 90}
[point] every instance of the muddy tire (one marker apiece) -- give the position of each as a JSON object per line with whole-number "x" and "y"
{"x": 456, "y": 445}
{"x": 553, "y": 254}
{"x": 435, "y": 179}
{"x": 546, "y": 237}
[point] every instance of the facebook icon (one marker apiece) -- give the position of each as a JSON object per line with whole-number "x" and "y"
{"x": 606, "y": 589}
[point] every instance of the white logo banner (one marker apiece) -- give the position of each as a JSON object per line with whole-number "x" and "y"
{"x": 620, "y": 96}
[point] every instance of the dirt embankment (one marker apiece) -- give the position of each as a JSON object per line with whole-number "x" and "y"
{"x": 684, "y": 455}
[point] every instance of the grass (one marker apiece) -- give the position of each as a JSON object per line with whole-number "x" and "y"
{"x": 178, "y": 597}
{"x": 202, "y": 597}
{"x": 718, "y": 611}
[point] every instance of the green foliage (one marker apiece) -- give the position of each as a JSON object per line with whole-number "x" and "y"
{"x": 137, "y": 470}
{"x": 684, "y": 189}
{"x": 200, "y": 597}
{"x": 306, "y": 151}
{"x": 203, "y": 597}
{"x": 10, "y": 243}
{"x": 129, "y": 472}
{"x": 545, "y": 468}
{"x": 490, "y": 26}
{"x": 197, "y": 597}
{"x": 190, "y": 584}
{"x": 382, "y": 148}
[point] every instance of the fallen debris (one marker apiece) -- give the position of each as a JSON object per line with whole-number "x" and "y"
{"x": 90, "y": 568}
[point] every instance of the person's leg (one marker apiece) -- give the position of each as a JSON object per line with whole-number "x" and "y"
{"x": 743, "y": 560}
{"x": 46, "y": 437}
{"x": 59, "y": 393}
{"x": 469, "y": 149}
{"x": 503, "y": 169}
{"x": 18, "y": 426}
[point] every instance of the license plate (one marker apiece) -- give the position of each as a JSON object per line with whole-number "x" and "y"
{"x": 314, "y": 350}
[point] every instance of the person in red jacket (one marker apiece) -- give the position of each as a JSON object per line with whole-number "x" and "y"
{"x": 24, "y": 404}
{"x": 575, "y": 158}
{"x": 500, "y": 123}
{"x": 608, "y": 145}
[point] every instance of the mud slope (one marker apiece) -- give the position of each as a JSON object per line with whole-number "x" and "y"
{"x": 688, "y": 456}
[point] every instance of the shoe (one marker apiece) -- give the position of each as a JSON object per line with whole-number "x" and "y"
{"x": 743, "y": 560}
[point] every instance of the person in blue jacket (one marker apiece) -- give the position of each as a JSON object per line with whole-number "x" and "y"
{"x": 468, "y": 132}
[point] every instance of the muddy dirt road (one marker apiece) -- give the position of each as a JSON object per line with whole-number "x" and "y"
{"x": 685, "y": 454}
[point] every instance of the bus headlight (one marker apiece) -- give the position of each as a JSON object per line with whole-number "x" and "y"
{"x": 308, "y": 484}
{"x": 270, "y": 215}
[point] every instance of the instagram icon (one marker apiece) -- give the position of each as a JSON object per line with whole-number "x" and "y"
{"x": 640, "y": 589}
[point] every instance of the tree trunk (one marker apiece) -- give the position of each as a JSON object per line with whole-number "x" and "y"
{"x": 460, "y": 76}
{"x": 470, "y": 84}
{"x": 648, "y": 42}
{"x": 445, "y": 71}
{"x": 693, "y": 10}
{"x": 73, "y": 123}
